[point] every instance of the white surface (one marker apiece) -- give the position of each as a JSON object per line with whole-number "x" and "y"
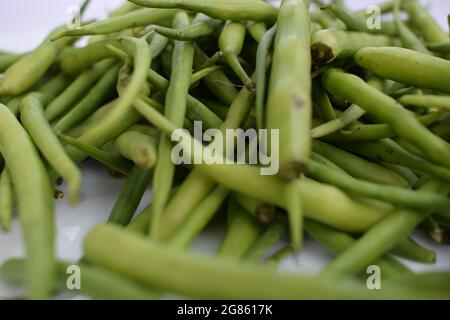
{"x": 23, "y": 24}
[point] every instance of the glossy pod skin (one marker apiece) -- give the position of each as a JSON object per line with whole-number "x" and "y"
{"x": 328, "y": 45}
{"x": 6, "y": 200}
{"x": 406, "y": 66}
{"x": 235, "y": 10}
{"x": 35, "y": 202}
{"x": 289, "y": 105}
{"x": 405, "y": 124}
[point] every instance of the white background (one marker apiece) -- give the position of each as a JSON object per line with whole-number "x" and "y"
{"x": 23, "y": 24}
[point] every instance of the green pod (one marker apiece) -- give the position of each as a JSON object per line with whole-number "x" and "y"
{"x": 8, "y": 59}
{"x": 388, "y": 151}
{"x": 35, "y": 203}
{"x": 177, "y": 272}
{"x": 33, "y": 120}
{"x": 388, "y": 110}
{"x": 75, "y": 60}
{"x": 75, "y": 90}
{"x": 236, "y": 10}
{"x": 337, "y": 242}
{"x": 95, "y": 97}
{"x": 335, "y": 209}
{"x": 242, "y": 231}
{"x": 406, "y": 66}
{"x": 289, "y": 105}
{"x": 328, "y": 45}
{"x": 421, "y": 19}
{"x": 382, "y": 237}
{"x": 138, "y": 147}
{"x": 358, "y": 167}
{"x": 175, "y": 110}
{"x": 131, "y": 195}
{"x": 231, "y": 41}
{"x": 256, "y": 29}
{"x": 133, "y": 19}
{"x": 271, "y": 236}
{"x": 410, "y": 249}
{"x": 26, "y": 72}
{"x": 202, "y": 26}
{"x": 116, "y": 163}
{"x": 426, "y": 101}
{"x": 199, "y": 218}
{"x": 6, "y": 200}
{"x": 440, "y": 47}
{"x": 395, "y": 195}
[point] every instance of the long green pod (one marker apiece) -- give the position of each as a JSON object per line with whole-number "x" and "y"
{"x": 235, "y": 10}
{"x": 35, "y": 202}
{"x": 6, "y": 200}
{"x": 8, "y": 59}
{"x": 94, "y": 99}
{"x": 75, "y": 90}
{"x": 372, "y": 132}
{"x": 388, "y": 151}
{"x": 231, "y": 41}
{"x": 358, "y": 167}
{"x": 262, "y": 53}
{"x": 440, "y": 47}
{"x": 322, "y": 102}
{"x": 133, "y": 19}
{"x": 34, "y": 121}
{"x": 95, "y": 282}
{"x": 395, "y": 195}
{"x": 379, "y": 239}
{"x": 328, "y": 45}
{"x": 337, "y": 242}
{"x": 242, "y": 231}
{"x": 392, "y": 113}
{"x": 355, "y": 23}
{"x": 426, "y": 101}
{"x": 335, "y": 209}
{"x": 199, "y": 218}
{"x": 197, "y": 186}
{"x": 175, "y": 110}
{"x": 122, "y": 115}
{"x": 406, "y": 66}
{"x": 289, "y": 106}
{"x": 116, "y": 163}
{"x": 421, "y": 19}
{"x": 138, "y": 147}
{"x": 199, "y": 276}
{"x": 410, "y": 249}
{"x": 131, "y": 195}
{"x": 407, "y": 37}
{"x": 27, "y": 71}
{"x": 157, "y": 45}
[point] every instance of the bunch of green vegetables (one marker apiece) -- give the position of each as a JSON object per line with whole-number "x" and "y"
{"x": 364, "y": 127}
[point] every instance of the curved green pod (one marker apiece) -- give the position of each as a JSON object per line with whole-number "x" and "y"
{"x": 406, "y": 66}
{"x": 35, "y": 202}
